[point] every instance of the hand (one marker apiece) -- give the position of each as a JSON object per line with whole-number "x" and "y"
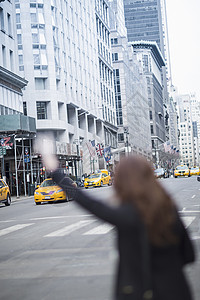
{"x": 45, "y": 145}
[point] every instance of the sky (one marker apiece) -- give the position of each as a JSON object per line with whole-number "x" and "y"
{"x": 183, "y": 18}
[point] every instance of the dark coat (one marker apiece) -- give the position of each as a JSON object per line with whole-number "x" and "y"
{"x": 169, "y": 282}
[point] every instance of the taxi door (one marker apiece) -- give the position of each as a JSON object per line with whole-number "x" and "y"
{"x": 4, "y": 190}
{"x": 104, "y": 176}
{"x": 1, "y": 190}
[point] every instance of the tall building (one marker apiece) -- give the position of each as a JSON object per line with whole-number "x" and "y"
{"x": 130, "y": 89}
{"x": 106, "y": 72}
{"x": 14, "y": 126}
{"x": 187, "y": 142}
{"x": 152, "y": 62}
{"x": 146, "y": 21}
{"x": 59, "y": 51}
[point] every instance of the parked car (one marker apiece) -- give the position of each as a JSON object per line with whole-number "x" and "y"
{"x": 181, "y": 170}
{"x": 4, "y": 193}
{"x": 98, "y": 179}
{"x": 161, "y": 173}
{"x": 49, "y": 191}
{"x": 195, "y": 171}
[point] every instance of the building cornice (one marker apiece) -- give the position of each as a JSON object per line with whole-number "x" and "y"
{"x": 153, "y": 47}
{"x": 12, "y": 78}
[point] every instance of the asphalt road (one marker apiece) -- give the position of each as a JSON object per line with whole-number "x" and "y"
{"x": 60, "y": 251}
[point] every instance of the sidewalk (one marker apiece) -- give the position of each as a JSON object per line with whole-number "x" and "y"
{"x": 15, "y": 199}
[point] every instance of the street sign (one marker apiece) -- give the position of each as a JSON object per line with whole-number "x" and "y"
{"x": 26, "y": 150}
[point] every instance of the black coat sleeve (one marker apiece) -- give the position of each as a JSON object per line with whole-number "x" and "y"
{"x": 121, "y": 216}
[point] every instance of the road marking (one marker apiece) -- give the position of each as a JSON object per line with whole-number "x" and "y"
{"x": 70, "y": 228}
{"x": 193, "y": 196}
{"x": 187, "y": 220}
{"x": 14, "y": 228}
{"x": 59, "y": 217}
{"x": 195, "y": 237}
{"x": 189, "y": 211}
{"x": 101, "y": 229}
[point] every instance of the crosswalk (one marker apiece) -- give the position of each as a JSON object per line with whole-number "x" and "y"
{"x": 97, "y": 229}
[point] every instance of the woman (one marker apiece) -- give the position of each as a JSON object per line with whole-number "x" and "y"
{"x": 153, "y": 244}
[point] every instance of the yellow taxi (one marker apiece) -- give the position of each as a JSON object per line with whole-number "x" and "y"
{"x": 4, "y": 193}
{"x": 195, "y": 171}
{"x": 98, "y": 179}
{"x": 182, "y": 170}
{"x": 49, "y": 191}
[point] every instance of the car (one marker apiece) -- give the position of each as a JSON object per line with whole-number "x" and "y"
{"x": 4, "y": 193}
{"x": 49, "y": 191}
{"x": 161, "y": 173}
{"x": 195, "y": 171}
{"x": 97, "y": 179}
{"x": 181, "y": 170}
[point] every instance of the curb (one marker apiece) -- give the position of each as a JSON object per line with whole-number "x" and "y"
{"x": 20, "y": 199}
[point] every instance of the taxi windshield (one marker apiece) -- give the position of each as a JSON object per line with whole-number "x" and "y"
{"x": 48, "y": 183}
{"x": 181, "y": 167}
{"x": 94, "y": 176}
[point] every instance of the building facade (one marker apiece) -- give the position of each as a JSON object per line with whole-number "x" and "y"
{"x": 146, "y": 21}
{"x": 58, "y": 53}
{"x": 152, "y": 62}
{"x": 130, "y": 90}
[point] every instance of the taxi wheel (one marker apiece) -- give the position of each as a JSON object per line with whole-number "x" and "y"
{"x": 86, "y": 187}
{"x": 101, "y": 183}
{"x": 37, "y": 203}
{"x": 110, "y": 182}
{"x": 8, "y": 201}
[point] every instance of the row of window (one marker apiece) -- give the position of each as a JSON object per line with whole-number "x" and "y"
{"x": 5, "y": 28}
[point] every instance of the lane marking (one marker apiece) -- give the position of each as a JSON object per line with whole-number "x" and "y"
{"x": 101, "y": 229}
{"x": 193, "y": 196}
{"x": 189, "y": 211}
{"x": 14, "y": 228}
{"x": 187, "y": 221}
{"x": 70, "y": 228}
{"x": 59, "y": 217}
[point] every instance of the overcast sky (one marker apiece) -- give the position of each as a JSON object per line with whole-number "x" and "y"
{"x": 184, "y": 42}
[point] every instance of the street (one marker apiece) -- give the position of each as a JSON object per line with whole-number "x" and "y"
{"x": 60, "y": 251}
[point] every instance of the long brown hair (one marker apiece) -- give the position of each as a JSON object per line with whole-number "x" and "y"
{"x": 135, "y": 182}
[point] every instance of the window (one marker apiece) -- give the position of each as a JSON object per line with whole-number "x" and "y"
{"x": 35, "y": 38}
{"x": 114, "y": 56}
{"x": 4, "y": 55}
{"x": 24, "y": 108}
{"x": 40, "y": 83}
{"x": 41, "y": 110}
{"x": 1, "y": 18}
{"x": 20, "y": 59}
{"x": 152, "y": 132}
{"x": 9, "y": 25}
{"x": 11, "y": 60}
{"x": 33, "y": 18}
{"x": 19, "y": 39}
{"x": 18, "y": 18}
{"x": 150, "y": 115}
{"x": 120, "y": 137}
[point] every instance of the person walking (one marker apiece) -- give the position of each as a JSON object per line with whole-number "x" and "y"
{"x": 152, "y": 242}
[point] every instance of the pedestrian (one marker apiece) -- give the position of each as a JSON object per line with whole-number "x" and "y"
{"x": 153, "y": 244}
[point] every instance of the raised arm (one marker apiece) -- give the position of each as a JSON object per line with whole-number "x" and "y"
{"x": 122, "y": 216}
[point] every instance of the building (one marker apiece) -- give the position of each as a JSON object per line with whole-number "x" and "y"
{"x": 130, "y": 89}
{"x": 152, "y": 62}
{"x": 16, "y": 130}
{"x": 106, "y": 72}
{"x": 146, "y": 21}
{"x": 186, "y": 128}
{"x": 59, "y": 51}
